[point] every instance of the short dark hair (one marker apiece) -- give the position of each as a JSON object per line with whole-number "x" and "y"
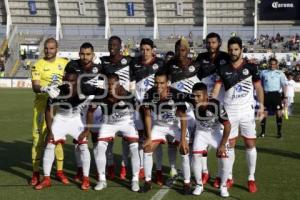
{"x": 87, "y": 45}
{"x": 49, "y": 40}
{"x": 147, "y": 41}
{"x": 113, "y": 76}
{"x": 199, "y": 86}
{"x": 213, "y": 35}
{"x": 114, "y": 37}
{"x": 170, "y": 53}
{"x": 162, "y": 72}
{"x": 273, "y": 59}
{"x": 235, "y": 40}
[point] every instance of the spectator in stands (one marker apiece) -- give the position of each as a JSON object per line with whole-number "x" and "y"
{"x": 23, "y": 54}
{"x": 169, "y": 56}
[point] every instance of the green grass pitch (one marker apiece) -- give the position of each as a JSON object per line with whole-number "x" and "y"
{"x": 277, "y": 173}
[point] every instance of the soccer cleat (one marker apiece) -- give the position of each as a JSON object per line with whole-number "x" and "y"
{"x": 35, "y": 179}
{"x": 100, "y": 185}
{"x": 198, "y": 190}
{"x": 217, "y": 182}
{"x": 135, "y": 186}
{"x": 252, "y": 186}
{"x": 79, "y": 175}
{"x": 159, "y": 177}
{"x": 142, "y": 173}
{"x": 85, "y": 185}
{"x": 123, "y": 173}
{"x": 224, "y": 191}
{"x": 279, "y": 136}
{"x": 229, "y": 183}
{"x": 146, "y": 187}
{"x": 173, "y": 173}
{"x": 60, "y": 176}
{"x": 187, "y": 188}
{"x": 111, "y": 172}
{"x": 262, "y": 135}
{"x": 205, "y": 178}
{"x": 44, "y": 184}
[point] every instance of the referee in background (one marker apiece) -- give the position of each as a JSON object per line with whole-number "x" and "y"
{"x": 274, "y": 82}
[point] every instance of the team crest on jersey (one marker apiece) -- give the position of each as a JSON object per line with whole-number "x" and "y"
{"x": 54, "y": 77}
{"x": 95, "y": 70}
{"x": 238, "y": 88}
{"x": 222, "y": 62}
{"x": 245, "y": 72}
{"x": 123, "y": 61}
{"x": 192, "y": 68}
{"x": 155, "y": 66}
{"x": 60, "y": 67}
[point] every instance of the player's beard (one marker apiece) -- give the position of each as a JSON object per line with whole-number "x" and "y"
{"x": 235, "y": 58}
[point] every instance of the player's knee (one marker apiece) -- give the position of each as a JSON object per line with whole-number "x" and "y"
{"x": 50, "y": 146}
{"x": 134, "y": 146}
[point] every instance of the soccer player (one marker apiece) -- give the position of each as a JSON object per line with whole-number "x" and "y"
{"x": 183, "y": 72}
{"x": 46, "y": 75}
{"x": 67, "y": 120}
{"x": 209, "y": 114}
{"x": 143, "y": 69}
{"x": 208, "y": 63}
{"x": 273, "y": 81}
{"x": 118, "y": 108}
{"x": 290, "y": 92}
{"x": 239, "y": 79}
{"x": 168, "y": 105}
{"x": 89, "y": 70}
{"x": 119, "y": 64}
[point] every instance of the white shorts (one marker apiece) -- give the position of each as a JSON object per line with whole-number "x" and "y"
{"x": 66, "y": 125}
{"x": 162, "y": 134}
{"x": 107, "y": 132}
{"x": 242, "y": 121}
{"x": 203, "y": 139}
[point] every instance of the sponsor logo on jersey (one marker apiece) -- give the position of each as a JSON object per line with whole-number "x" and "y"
{"x": 228, "y": 73}
{"x": 238, "y": 88}
{"x": 146, "y": 82}
{"x": 46, "y": 69}
{"x": 179, "y": 86}
{"x": 137, "y": 66}
{"x": 54, "y": 77}
{"x": 245, "y": 72}
{"x": 106, "y": 62}
{"x": 192, "y": 68}
{"x": 155, "y": 66}
{"x": 95, "y": 70}
{"x": 123, "y": 61}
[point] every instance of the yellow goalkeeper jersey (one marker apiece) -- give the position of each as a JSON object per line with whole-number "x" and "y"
{"x": 47, "y": 73}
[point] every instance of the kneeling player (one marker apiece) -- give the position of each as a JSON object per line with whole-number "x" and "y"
{"x": 209, "y": 116}
{"x": 67, "y": 120}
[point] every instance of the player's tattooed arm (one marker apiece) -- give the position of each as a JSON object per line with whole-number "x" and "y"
{"x": 183, "y": 146}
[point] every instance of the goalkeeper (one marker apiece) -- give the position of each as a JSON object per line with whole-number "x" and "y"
{"x": 46, "y": 76}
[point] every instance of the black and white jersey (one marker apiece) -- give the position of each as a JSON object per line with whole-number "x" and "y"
{"x": 121, "y": 68}
{"x": 76, "y": 65}
{"x": 143, "y": 75}
{"x": 207, "y": 72}
{"x": 164, "y": 110}
{"x": 238, "y": 83}
{"x": 210, "y": 117}
{"x": 183, "y": 78}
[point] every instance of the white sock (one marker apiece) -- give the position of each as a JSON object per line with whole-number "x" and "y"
{"x": 125, "y": 153}
{"x": 110, "y": 154}
{"x": 101, "y": 159}
{"x": 172, "y": 153}
{"x": 148, "y": 164}
{"x": 224, "y": 169}
{"x": 186, "y": 168}
{"x": 141, "y": 154}
{"x": 85, "y": 157}
{"x": 251, "y": 156}
{"x": 158, "y": 157}
{"x": 231, "y": 156}
{"x": 48, "y": 159}
{"x": 197, "y": 168}
{"x": 204, "y": 164}
{"x": 134, "y": 150}
{"x": 77, "y": 156}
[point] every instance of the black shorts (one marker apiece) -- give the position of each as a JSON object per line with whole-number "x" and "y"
{"x": 273, "y": 101}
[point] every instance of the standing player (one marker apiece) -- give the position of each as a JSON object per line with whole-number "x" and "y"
{"x": 208, "y": 63}
{"x": 143, "y": 69}
{"x": 168, "y": 105}
{"x": 290, "y": 92}
{"x": 273, "y": 81}
{"x": 183, "y": 71}
{"x": 238, "y": 78}
{"x": 209, "y": 114}
{"x": 46, "y": 75}
{"x": 117, "y": 108}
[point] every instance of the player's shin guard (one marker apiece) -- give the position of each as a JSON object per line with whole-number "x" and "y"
{"x": 148, "y": 164}
{"x": 231, "y": 157}
{"x": 251, "y": 156}
{"x": 172, "y": 152}
{"x": 134, "y": 160}
{"x": 109, "y": 154}
{"x": 186, "y": 168}
{"x": 85, "y": 158}
{"x": 101, "y": 159}
{"x": 158, "y": 157}
{"x": 125, "y": 153}
{"x": 48, "y": 159}
{"x": 197, "y": 168}
{"x": 59, "y": 154}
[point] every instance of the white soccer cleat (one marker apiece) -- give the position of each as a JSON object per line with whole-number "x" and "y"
{"x": 135, "y": 186}
{"x": 198, "y": 190}
{"x": 224, "y": 191}
{"x": 100, "y": 185}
